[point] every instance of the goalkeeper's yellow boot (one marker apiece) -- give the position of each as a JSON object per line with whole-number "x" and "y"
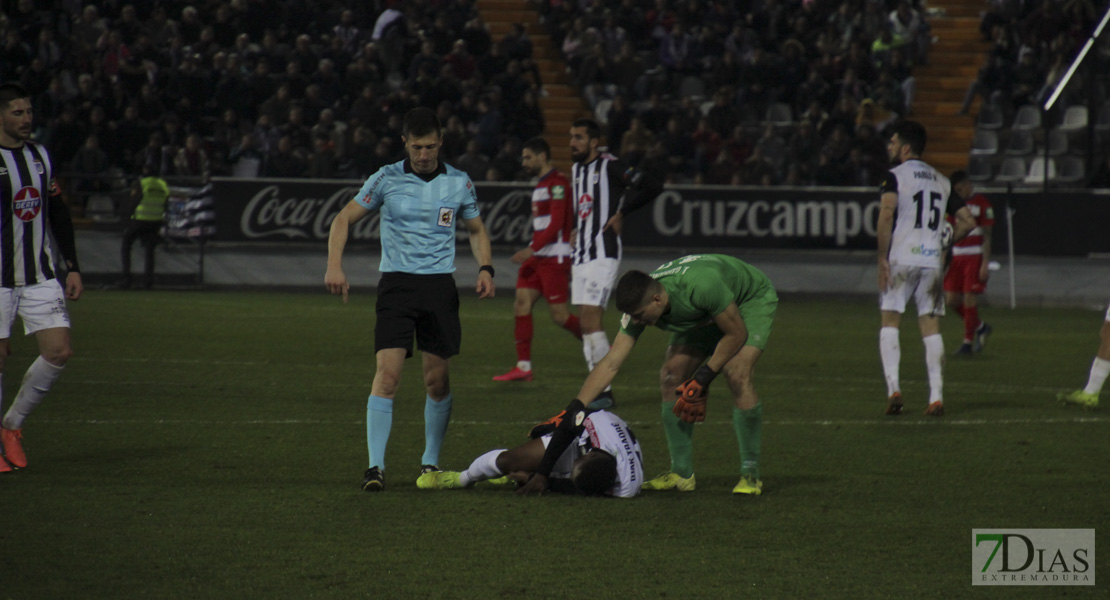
{"x": 672, "y": 481}
{"x": 1079, "y": 398}
{"x": 749, "y": 486}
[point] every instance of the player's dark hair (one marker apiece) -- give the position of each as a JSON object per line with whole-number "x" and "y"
{"x": 631, "y": 290}
{"x": 538, "y": 145}
{"x": 11, "y": 91}
{"x": 594, "y": 473}
{"x": 419, "y": 122}
{"x": 593, "y": 130}
{"x": 958, "y": 177}
{"x": 912, "y": 134}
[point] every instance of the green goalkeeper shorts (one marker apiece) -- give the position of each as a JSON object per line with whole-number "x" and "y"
{"x": 758, "y": 316}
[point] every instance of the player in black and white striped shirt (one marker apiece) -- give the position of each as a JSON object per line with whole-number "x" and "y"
{"x": 31, "y": 211}
{"x": 605, "y": 189}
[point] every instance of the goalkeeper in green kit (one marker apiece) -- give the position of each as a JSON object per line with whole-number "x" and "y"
{"x": 719, "y": 311}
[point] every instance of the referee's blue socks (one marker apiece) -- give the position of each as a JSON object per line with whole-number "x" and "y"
{"x": 379, "y": 420}
{"x": 436, "y": 417}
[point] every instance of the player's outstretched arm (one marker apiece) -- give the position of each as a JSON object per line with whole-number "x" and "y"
{"x": 606, "y": 369}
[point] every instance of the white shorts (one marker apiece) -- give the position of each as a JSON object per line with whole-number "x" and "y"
{"x": 923, "y": 284}
{"x": 592, "y": 282}
{"x": 41, "y": 306}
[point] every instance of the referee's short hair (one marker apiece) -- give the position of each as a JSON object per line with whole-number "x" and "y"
{"x": 11, "y": 91}
{"x": 419, "y": 122}
{"x": 593, "y": 130}
{"x": 538, "y": 145}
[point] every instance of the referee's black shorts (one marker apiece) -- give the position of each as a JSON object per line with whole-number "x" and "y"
{"x": 427, "y": 305}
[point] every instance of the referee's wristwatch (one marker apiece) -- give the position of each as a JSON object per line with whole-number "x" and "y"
{"x": 486, "y": 268}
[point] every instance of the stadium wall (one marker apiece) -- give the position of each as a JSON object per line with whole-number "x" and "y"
{"x": 683, "y": 217}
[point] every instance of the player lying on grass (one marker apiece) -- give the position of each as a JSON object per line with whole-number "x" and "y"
{"x": 577, "y": 451}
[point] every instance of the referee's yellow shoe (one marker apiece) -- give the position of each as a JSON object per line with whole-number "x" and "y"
{"x": 672, "y": 481}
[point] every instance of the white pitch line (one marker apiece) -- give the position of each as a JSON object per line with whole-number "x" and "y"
{"x": 885, "y": 422}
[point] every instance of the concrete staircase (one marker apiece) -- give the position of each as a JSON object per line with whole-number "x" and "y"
{"x": 563, "y": 103}
{"x": 954, "y": 62}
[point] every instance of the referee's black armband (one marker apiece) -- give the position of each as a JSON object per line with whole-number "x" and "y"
{"x": 563, "y": 436}
{"x": 487, "y": 268}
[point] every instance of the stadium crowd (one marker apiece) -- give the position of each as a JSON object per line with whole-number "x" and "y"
{"x": 794, "y": 92}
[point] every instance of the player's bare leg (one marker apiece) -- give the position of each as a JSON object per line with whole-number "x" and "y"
{"x": 54, "y": 351}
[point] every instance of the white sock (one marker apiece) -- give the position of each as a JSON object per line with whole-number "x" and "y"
{"x": 524, "y": 365}
{"x": 1099, "y": 370}
{"x": 484, "y": 467}
{"x": 934, "y": 362}
{"x": 890, "y": 350}
{"x": 36, "y": 382}
{"x": 595, "y": 346}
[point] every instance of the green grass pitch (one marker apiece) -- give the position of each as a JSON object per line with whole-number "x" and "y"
{"x": 211, "y": 445}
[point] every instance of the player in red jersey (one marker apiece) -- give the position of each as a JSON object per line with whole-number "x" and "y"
{"x": 967, "y": 275}
{"x": 545, "y": 263}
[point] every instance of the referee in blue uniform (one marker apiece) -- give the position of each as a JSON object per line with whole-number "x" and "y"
{"x": 419, "y": 200}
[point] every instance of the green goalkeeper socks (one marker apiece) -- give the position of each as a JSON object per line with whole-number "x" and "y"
{"x": 680, "y": 441}
{"x": 748, "y": 425}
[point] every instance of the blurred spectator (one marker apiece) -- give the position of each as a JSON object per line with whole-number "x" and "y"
{"x": 283, "y": 161}
{"x": 246, "y": 159}
{"x": 516, "y": 44}
{"x": 636, "y": 141}
{"x": 91, "y": 162}
{"x": 192, "y": 161}
{"x": 66, "y": 136}
{"x": 473, "y": 162}
{"x": 619, "y": 120}
{"x": 995, "y": 81}
{"x": 323, "y": 162}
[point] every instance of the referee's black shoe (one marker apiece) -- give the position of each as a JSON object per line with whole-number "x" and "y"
{"x": 374, "y": 480}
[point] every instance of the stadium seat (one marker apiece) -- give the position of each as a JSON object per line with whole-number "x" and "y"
{"x": 1036, "y": 173}
{"x": 1075, "y": 120}
{"x": 990, "y": 117}
{"x": 1021, "y": 143}
{"x": 781, "y": 116}
{"x": 1072, "y": 170}
{"x": 1028, "y": 118}
{"x": 1012, "y": 170}
{"x": 601, "y": 111}
{"x": 1057, "y": 142}
{"x": 984, "y": 143}
{"x": 979, "y": 168}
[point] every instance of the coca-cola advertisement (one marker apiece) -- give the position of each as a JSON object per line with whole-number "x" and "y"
{"x": 683, "y": 218}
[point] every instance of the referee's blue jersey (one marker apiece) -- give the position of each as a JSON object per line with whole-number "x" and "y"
{"x": 418, "y": 215}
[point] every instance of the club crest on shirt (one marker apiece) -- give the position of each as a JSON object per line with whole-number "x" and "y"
{"x": 446, "y": 216}
{"x": 39, "y": 168}
{"x": 27, "y": 203}
{"x": 585, "y": 206}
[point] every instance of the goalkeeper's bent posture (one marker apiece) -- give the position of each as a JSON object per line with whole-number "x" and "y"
{"x": 719, "y": 311}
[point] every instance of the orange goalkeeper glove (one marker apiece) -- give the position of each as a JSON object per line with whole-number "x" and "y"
{"x": 690, "y": 406}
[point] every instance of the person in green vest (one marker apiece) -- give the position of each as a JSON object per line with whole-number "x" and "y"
{"x": 146, "y": 221}
{"x": 719, "y": 312}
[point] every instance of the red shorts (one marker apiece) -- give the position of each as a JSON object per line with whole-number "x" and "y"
{"x": 963, "y": 275}
{"x": 548, "y": 275}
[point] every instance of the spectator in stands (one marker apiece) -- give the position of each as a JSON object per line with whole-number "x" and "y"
{"x": 490, "y": 124}
{"x": 284, "y": 161}
{"x": 679, "y": 147}
{"x": 756, "y": 170}
{"x": 65, "y": 136}
{"x": 473, "y": 162}
{"x": 245, "y": 160}
{"x": 619, "y": 120}
{"x": 91, "y": 163}
{"x": 323, "y": 162}
{"x": 636, "y": 141}
{"x": 995, "y": 81}
{"x": 908, "y": 24}
{"x": 192, "y": 161}
{"x": 461, "y": 61}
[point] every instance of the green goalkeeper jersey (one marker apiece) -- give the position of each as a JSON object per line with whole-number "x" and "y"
{"x": 700, "y": 287}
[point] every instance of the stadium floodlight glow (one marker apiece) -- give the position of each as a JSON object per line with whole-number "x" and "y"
{"x": 1078, "y": 60}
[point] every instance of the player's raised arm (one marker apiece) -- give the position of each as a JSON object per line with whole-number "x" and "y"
{"x": 335, "y": 279}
